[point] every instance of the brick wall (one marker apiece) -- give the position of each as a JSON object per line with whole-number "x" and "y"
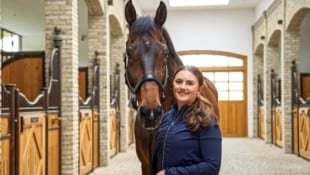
{"x": 63, "y": 14}
{"x": 259, "y": 38}
{"x": 283, "y": 19}
{"x": 97, "y": 41}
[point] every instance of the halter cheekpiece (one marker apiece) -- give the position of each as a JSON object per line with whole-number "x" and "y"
{"x": 146, "y": 77}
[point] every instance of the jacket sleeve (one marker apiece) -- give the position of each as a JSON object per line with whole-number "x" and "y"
{"x": 211, "y": 154}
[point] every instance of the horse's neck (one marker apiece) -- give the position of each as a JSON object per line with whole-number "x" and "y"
{"x": 173, "y": 65}
{"x": 174, "y": 62}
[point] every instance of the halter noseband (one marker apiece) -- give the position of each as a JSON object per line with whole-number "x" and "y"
{"x": 146, "y": 77}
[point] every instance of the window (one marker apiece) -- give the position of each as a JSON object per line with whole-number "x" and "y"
{"x": 207, "y": 60}
{"x": 228, "y": 84}
{"x": 226, "y": 72}
{"x": 10, "y": 41}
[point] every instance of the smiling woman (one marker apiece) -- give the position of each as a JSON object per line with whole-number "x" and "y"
{"x": 189, "y": 139}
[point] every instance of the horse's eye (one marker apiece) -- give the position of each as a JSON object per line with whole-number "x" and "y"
{"x": 129, "y": 52}
{"x": 165, "y": 54}
{"x": 165, "y": 50}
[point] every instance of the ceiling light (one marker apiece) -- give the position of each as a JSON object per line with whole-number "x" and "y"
{"x": 180, "y": 3}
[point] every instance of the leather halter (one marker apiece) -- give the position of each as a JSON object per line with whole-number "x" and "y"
{"x": 146, "y": 77}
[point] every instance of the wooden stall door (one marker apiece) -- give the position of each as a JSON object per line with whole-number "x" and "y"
{"x": 261, "y": 123}
{"x": 32, "y": 144}
{"x": 277, "y": 126}
{"x": 53, "y": 144}
{"x": 304, "y": 132}
{"x": 86, "y": 141}
{"x": 95, "y": 139}
{"x": 131, "y": 121}
{"x": 233, "y": 120}
{"x": 5, "y": 146}
{"x": 295, "y": 131}
{"x": 114, "y": 133}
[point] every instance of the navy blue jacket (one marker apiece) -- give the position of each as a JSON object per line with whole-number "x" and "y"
{"x": 182, "y": 152}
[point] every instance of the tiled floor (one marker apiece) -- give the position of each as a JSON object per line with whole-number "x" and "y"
{"x": 241, "y": 156}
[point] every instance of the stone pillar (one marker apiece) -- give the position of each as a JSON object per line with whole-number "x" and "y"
{"x": 63, "y": 14}
{"x": 97, "y": 41}
{"x": 291, "y": 52}
{"x": 117, "y": 51}
{"x": 267, "y": 95}
{"x": 258, "y": 40}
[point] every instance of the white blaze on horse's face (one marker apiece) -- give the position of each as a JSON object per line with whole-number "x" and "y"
{"x": 146, "y": 63}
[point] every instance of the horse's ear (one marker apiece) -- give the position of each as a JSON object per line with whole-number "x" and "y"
{"x": 161, "y": 14}
{"x": 130, "y": 13}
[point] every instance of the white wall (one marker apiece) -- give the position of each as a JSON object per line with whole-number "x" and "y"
{"x": 33, "y": 42}
{"x": 304, "y": 45}
{"x": 228, "y": 30}
{"x": 261, "y": 7}
{"x": 222, "y": 30}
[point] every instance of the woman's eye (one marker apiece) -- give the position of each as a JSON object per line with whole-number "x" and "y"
{"x": 190, "y": 83}
{"x": 178, "y": 81}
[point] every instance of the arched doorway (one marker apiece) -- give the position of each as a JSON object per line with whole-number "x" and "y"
{"x": 228, "y": 71}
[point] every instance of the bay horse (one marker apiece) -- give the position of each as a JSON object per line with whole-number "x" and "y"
{"x": 150, "y": 61}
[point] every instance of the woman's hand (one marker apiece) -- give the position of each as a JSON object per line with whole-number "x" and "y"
{"x": 162, "y": 172}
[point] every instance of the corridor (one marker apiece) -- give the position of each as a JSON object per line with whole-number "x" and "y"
{"x": 241, "y": 156}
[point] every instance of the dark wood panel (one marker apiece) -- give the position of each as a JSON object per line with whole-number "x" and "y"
{"x": 27, "y": 74}
{"x": 83, "y": 82}
{"x": 305, "y": 85}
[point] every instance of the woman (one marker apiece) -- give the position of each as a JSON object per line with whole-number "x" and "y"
{"x": 189, "y": 140}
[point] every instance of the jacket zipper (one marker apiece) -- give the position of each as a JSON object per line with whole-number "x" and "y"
{"x": 164, "y": 144}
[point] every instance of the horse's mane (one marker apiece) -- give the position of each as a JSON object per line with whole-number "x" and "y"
{"x": 145, "y": 25}
{"x": 171, "y": 48}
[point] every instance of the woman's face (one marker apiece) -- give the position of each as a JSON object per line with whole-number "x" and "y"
{"x": 185, "y": 88}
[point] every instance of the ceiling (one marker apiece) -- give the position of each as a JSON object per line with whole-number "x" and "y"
{"x": 151, "y": 5}
{"x": 16, "y": 13}
{"x": 21, "y": 17}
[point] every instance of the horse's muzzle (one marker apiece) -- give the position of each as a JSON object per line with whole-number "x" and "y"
{"x": 150, "y": 117}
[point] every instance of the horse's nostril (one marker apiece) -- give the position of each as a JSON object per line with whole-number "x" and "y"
{"x": 151, "y": 114}
{"x": 158, "y": 111}
{"x": 144, "y": 111}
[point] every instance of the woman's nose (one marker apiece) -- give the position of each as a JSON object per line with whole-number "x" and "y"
{"x": 183, "y": 86}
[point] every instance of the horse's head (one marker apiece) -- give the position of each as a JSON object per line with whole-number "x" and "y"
{"x": 146, "y": 63}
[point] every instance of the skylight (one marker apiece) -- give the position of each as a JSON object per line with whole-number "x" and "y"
{"x": 184, "y": 3}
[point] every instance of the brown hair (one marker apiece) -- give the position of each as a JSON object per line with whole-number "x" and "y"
{"x": 198, "y": 115}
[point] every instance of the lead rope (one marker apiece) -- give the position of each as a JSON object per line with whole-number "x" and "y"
{"x": 151, "y": 152}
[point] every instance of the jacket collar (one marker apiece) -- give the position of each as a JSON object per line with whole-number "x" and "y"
{"x": 181, "y": 111}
